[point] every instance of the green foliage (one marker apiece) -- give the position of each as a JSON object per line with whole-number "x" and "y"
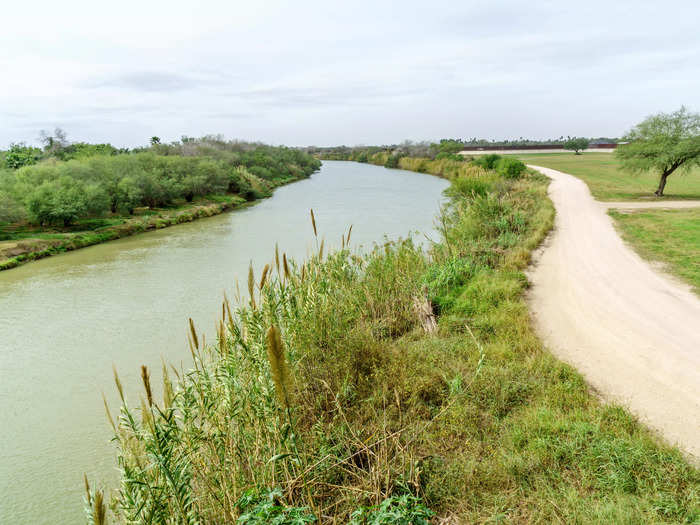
{"x": 510, "y": 168}
{"x": 58, "y": 202}
{"x": 266, "y": 508}
{"x": 450, "y": 146}
{"x": 576, "y": 144}
{"x": 475, "y": 421}
{"x": 398, "y": 510}
{"x": 392, "y": 161}
{"x": 10, "y": 209}
{"x": 664, "y": 142}
{"x": 106, "y": 181}
{"x": 83, "y": 150}
{"x": 487, "y": 161}
{"x": 21, "y": 155}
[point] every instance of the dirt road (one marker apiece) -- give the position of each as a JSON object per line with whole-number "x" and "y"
{"x": 632, "y": 331}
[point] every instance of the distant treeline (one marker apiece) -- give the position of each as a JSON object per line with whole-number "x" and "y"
{"x": 436, "y": 150}
{"x": 62, "y": 183}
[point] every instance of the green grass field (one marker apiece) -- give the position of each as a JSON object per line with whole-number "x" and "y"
{"x": 601, "y": 171}
{"x": 668, "y": 236}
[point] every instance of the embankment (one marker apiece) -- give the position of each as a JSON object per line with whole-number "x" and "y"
{"x": 332, "y": 395}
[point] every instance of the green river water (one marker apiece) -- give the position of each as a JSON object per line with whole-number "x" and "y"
{"x": 66, "y": 319}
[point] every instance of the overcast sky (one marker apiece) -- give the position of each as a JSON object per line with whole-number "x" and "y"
{"x": 325, "y": 72}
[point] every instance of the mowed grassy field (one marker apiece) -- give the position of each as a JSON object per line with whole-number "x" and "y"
{"x": 668, "y": 236}
{"x": 607, "y": 182}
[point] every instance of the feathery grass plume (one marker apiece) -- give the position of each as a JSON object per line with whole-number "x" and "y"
{"x": 303, "y": 271}
{"x": 195, "y": 340}
{"x": 278, "y": 365}
{"x": 287, "y": 273}
{"x": 96, "y": 506}
{"x": 238, "y": 293}
{"x": 228, "y": 309}
{"x": 251, "y": 285}
{"x": 342, "y": 242}
{"x": 118, "y": 382}
{"x": 147, "y": 416}
{"x": 313, "y": 222}
{"x": 88, "y": 494}
{"x": 320, "y": 250}
{"x": 222, "y": 338}
{"x": 168, "y": 394}
{"x": 145, "y": 377}
{"x": 99, "y": 510}
{"x": 109, "y": 414}
{"x": 277, "y": 259}
{"x": 348, "y": 239}
{"x": 263, "y": 279}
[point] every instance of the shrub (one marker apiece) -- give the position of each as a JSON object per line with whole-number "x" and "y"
{"x": 510, "y": 168}
{"x": 487, "y": 161}
{"x": 392, "y": 161}
{"x": 20, "y": 155}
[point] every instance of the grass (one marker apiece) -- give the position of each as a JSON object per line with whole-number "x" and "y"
{"x": 668, "y": 236}
{"x": 601, "y": 171}
{"x": 357, "y": 413}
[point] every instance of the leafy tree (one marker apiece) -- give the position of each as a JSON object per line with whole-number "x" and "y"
{"x": 10, "y": 209}
{"x": 130, "y": 195}
{"x": 664, "y": 142}
{"x": 21, "y": 155}
{"x": 155, "y": 140}
{"x": 60, "y": 202}
{"x": 576, "y": 144}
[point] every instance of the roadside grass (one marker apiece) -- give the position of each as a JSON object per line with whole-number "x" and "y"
{"x": 608, "y": 183}
{"x": 323, "y": 397}
{"x": 668, "y": 236}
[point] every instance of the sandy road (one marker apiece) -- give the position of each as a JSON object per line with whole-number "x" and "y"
{"x": 633, "y": 332}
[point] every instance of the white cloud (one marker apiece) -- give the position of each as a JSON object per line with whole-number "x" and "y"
{"x": 325, "y": 73}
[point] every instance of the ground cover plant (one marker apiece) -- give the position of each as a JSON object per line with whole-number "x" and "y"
{"x": 330, "y": 395}
{"x": 608, "y": 182}
{"x": 668, "y": 236}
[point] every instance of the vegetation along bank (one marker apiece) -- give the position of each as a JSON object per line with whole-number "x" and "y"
{"x": 394, "y": 387}
{"x": 67, "y": 196}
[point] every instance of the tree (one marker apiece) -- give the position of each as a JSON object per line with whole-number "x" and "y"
{"x": 59, "y": 202}
{"x": 21, "y": 155}
{"x": 55, "y": 143}
{"x": 155, "y": 140}
{"x": 664, "y": 142}
{"x": 577, "y": 144}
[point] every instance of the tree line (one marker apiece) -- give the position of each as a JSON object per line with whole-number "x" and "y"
{"x": 63, "y": 182}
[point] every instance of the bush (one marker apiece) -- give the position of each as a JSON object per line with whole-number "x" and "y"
{"x": 487, "y": 161}
{"x": 392, "y": 161}
{"x": 121, "y": 182}
{"x": 20, "y": 155}
{"x": 510, "y": 168}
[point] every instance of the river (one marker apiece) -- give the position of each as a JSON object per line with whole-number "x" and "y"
{"x": 65, "y": 320}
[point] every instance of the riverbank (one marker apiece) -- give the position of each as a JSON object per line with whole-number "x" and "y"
{"x": 14, "y": 253}
{"x": 124, "y": 302}
{"x": 406, "y": 383}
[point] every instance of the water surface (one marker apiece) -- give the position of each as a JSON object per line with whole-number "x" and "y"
{"x": 66, "y": 319}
